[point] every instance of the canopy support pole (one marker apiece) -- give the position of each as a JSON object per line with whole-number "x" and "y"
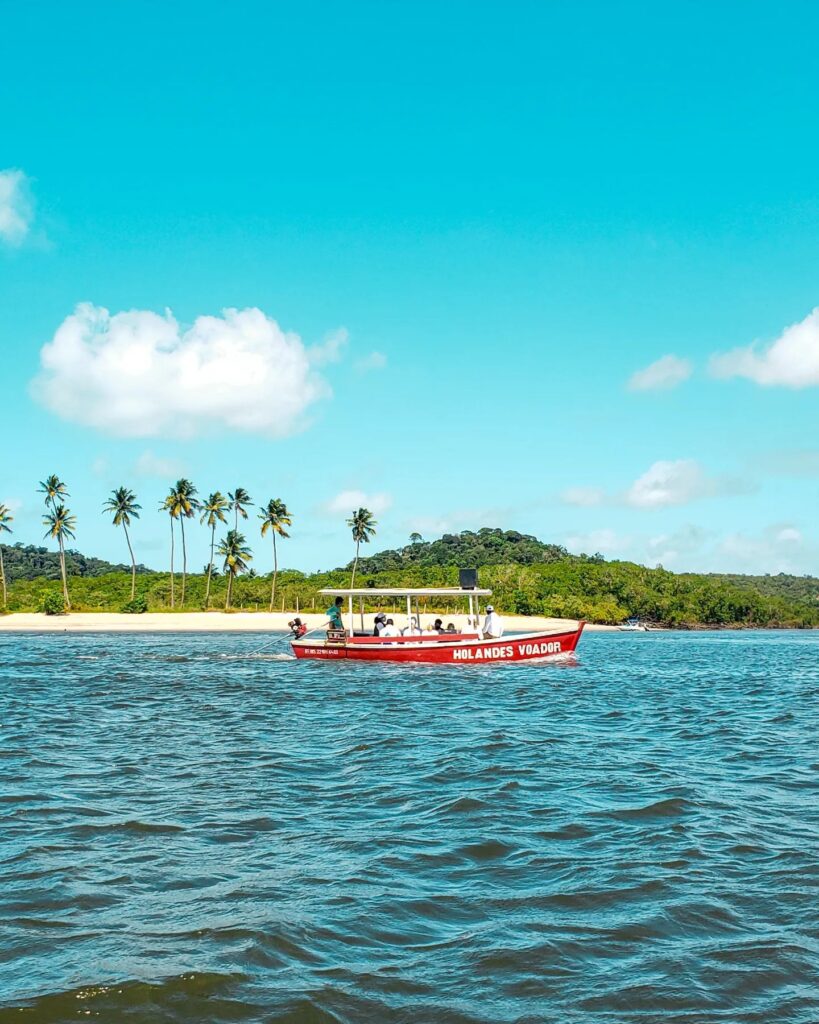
{"x": 352, "y": 617}
{"x": 409, "y": 612}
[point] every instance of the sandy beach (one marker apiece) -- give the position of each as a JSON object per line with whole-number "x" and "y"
{"x": 220, "y": 622}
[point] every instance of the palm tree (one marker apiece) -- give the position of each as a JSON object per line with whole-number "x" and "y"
{"x": 213, "y": 512}
{"x": 185, "y": 505}
{"x": 238, "y": 500}
{"x": 53, "y": 488}
{"x": 415, "y": 538}
{"x": 5, "y": 518}
{"x": 236, "y": 556}
{"x": 61, "y": 524}
{"x": 169, "y": 506}
{"x": 363, "y": 527}
{"x": 274, "y": 518}
{"x": 123, "y": 506}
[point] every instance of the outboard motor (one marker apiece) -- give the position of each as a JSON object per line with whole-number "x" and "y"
{"x": 297, "y": 627}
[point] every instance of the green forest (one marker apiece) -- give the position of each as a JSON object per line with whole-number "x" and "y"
{"x": 527, "y": 576}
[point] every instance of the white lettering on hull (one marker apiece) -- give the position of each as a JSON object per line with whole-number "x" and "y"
{"x": 536, "y": 649}
{"x": 482, "y": 653}
{"x": 528, "y": 650}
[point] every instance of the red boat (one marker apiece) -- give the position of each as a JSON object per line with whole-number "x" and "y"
{"x": 460, "y": 648}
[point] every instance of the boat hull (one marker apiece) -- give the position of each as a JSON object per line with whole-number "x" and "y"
{"x": 443, "y": 651}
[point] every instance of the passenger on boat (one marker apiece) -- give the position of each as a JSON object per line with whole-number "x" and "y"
{"x": 334, "y": 614}
{"x": 413, "y": 629}
{"x": 450, "y": 628}
{"x": 492, "y": 626}
{"x": 438, "y": 626}
{"x": 379, "y": 623}
{"x": 390, "y": 629}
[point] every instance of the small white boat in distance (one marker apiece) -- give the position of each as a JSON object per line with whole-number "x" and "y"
{"x": 633, "y": 625}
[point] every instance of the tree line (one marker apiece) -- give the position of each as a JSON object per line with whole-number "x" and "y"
{"x": 181, "y": 504}
{"x": 527, "y": 576}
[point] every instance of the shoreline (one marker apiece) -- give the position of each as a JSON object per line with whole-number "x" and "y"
{"x": 222, "y": 622}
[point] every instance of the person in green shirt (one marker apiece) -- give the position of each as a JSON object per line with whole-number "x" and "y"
{"x": 334, "y": 614}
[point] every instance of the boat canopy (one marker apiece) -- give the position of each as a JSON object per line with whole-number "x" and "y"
{"x": 405, "y": 592}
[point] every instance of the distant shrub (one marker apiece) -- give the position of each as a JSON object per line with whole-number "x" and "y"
{"x": 137, "y": 606}
{"x": 53, "y": 603}
{"x": 524, "y": 604}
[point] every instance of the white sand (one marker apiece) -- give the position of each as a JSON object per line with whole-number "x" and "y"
{"x": 221, "y": 622}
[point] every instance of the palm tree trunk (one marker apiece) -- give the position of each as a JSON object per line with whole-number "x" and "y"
{"x": 3, "y": 575}
{"x": 133, "y": 562}
{"x": 172, "y": 602}
{"x": 210, "y": 565}
{"x": 184, "y": 557}
{"x": 229, "y": 590}
{"x": 355, "y": 565}
{"x": 275, "y": 572}
{"x": 62, "y": 573}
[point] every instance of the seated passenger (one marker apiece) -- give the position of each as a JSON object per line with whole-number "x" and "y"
{"x": 390, "y": 629}
{"x": 493, "y": 626}
{"x": 450, "y": 628}
{"x": 438, "y": 626}
{"x": 413, "y": 629}
{"x": 379, "y": 622}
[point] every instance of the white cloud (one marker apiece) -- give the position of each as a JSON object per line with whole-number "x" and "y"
{"x": 150, "y": 465}
{"x": 583, "y": 496}
{"x": 792, "y": 360}
{"x": 138, "y": 374}
{"x": 346, "y": 502}
{"x": 664, "y": 483}
{"x": 678, "y": 483}
{"x": 12, "y": 504}
{"x": 662, "y": 375}
{"x": 778, "y": 548}
{"x": 331, "y": 349}
{"x": 374, "y": 361}
{"x": 16, "y": 206}
{"x": 672, "y": 549}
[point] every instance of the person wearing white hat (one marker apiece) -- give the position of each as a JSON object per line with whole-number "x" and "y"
{"x": 492, "y": 627}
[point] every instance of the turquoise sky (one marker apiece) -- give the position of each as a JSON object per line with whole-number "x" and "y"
{"x": 477, "y": 221}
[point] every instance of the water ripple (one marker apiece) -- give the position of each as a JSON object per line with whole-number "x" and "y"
{"x": 192, "y": 832}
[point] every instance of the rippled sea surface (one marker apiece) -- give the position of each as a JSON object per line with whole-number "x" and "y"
{"x": 193, "y": 833}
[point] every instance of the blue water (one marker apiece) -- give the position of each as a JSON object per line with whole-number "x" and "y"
{"x": 190, "y": 833}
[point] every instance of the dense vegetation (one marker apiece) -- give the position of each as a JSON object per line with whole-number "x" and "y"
{"x": 29, "y": 562}
{"x": 527, "y": 577}
{"x": 468, "y": 549}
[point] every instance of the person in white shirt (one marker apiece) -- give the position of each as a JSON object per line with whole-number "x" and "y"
{"x": 413, "y": 629}
{"x": 492, "y": 626}
{"x": 390, "y": 629}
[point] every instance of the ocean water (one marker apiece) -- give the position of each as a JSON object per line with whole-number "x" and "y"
{"x": 192, "y": 833}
